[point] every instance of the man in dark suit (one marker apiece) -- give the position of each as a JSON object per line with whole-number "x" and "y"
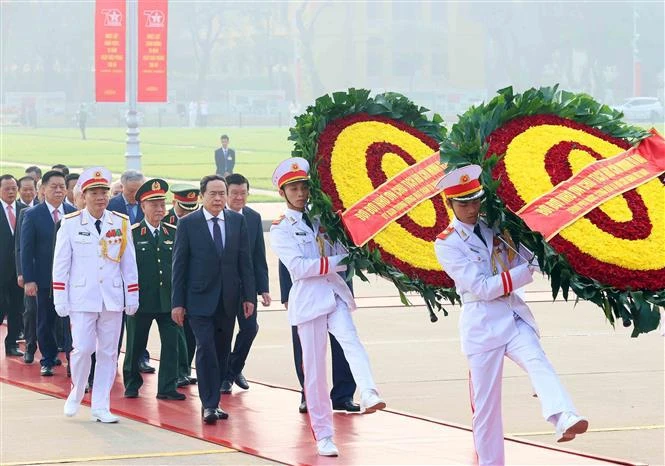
{"x": 125, "y": 202}
{"x": 27, "y": 191}
{"x": 343, "y": 384}
{"x": 11, "y": 294}
{"x": 212, "y": 276}
{"x": 29, "y": 302}
{"x": 225, "y": 157}
{"x": 237, "y": 201}
{"x": 37, "y": 242}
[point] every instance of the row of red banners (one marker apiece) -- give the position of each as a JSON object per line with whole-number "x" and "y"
{"x": 110, "y": 50}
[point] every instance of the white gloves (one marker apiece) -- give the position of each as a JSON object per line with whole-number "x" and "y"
{"x": 62, "y": 310}
{"x": 131, "y": 310}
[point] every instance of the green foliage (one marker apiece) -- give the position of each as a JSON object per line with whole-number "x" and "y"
{"x": 305, "y": 136}
{"x": 466, "y": 144}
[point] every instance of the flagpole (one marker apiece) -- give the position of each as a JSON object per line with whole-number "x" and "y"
{"x": 133, "y": 149}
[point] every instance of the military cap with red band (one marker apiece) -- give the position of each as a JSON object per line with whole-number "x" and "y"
{"x": 290, "y": 171}
{"x": 95, "y": 177}
{"x": 153, "y": 189}
{"x": 187, "y": 196}
{"x": 462, "y": 184}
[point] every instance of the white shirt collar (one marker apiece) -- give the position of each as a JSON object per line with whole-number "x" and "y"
{"x": 61, "y": 210}
{"x": 236, "y": 211}
{"x": 4, "y": 205}
{"x": 208, "y": 215}
{"x": 151, "y": 228}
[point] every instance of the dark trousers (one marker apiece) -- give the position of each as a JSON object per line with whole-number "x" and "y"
{"x": 247, "y": 330}
{"x": 30, "y": 323}
{"x": 46, "y": 320}
{"x": 138, "y": 330}
{"x": 213, "y": 344}
{"x": 186, "y": 349}
{"x": 11, "y": 305}
{"x": 343, "y": 384}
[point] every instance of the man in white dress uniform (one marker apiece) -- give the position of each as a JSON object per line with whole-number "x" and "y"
{"x": 495, "y": 322}
{"x": 319, "y": 301}
{"x": 94, "y": 279}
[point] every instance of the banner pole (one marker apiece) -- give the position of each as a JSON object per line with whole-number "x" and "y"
{"x": 133, "y": 149}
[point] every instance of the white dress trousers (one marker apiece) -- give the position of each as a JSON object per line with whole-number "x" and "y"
{"x": 94, "y": 332}
{"x": 314, "y": 341}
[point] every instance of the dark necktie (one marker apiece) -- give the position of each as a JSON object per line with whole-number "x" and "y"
{"x": 155, "y": 235}
{"x": 217, "y": 235}
{"x": 98, "y": 225}
{"x": 307, "y": 221}
{"x": 131, "y": 213}
{"x": 479, "y": 234}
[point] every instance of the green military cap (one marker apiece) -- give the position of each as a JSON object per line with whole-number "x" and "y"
{"x": 153, "y": 189}
{"x": 186, "y": 195}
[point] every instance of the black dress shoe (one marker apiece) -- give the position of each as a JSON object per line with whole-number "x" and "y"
{"x": 221, "y": 414}
{"x": 241, "y": 382}
{"x": 303, "y": 407}
{"x": 209, "y": 415}
{"x": 348, "y": 406}
{"x": 145, "y": 368}
{"x": 57, "y": 362}
{"x": 87, "y": 387}
{"x": 28, "y": 357}
{"x": 182, "y": 382}
{"x": 192, "y": 380}
{"x": 226, "y": 387}
{"x": 171, "y": 396}
{"x": 13, "y": 351}
{"x": 46, "y": 371}
{"x": 131, "y": 393}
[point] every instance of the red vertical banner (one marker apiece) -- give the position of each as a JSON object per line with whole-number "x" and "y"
{"x": 153, "y": 21}
{"x": 110, "y": 36}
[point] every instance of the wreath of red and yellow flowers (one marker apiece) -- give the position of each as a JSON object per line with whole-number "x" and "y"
{"x": 528, "y": 143}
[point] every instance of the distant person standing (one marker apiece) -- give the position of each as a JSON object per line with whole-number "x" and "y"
{"x": 203, "y": 114}
{"x": 82, "y": 119}
{"x": 193, "y": 110}
{"x": 225, "y": 157}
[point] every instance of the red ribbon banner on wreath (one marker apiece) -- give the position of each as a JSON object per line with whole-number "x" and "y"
{"x": 110, "y": 32}
{"x": 594, "y": 185}
{"x": 153, "y": 23}
{"x": 393, "y": 199}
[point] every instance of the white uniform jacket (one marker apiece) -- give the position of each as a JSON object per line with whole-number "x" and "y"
{"x": 485, "y": 284}
{"x": 313, "y": 262}
{"x": 90, "y": 268}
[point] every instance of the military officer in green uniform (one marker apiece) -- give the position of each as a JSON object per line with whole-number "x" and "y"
{"x": 185, "y": 201}
{"x": 153, "y": 241}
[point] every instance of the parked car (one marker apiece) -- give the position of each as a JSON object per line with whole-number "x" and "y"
{"x": 642, "y": 109}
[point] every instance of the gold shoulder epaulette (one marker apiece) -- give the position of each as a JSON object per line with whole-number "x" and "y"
{"x": 169, "y": 225}
{"x": 73, "y": 214}
{"x": 120, "y": 215}
{"x": 446, "y": 233}
{"x": 278, "y": 220}
{"x": 136, "y": 225}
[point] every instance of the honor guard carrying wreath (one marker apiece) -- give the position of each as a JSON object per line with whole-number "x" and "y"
{"x": 94, "y": 280}
{"x": 319, "y": 301}
{"x": 487, "y": 268}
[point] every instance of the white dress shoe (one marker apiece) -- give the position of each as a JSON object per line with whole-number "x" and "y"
{"x": 104, "y": 415}
{"x": 370, "y": 401}
{"x": 569, "y": 425}
{"x": 71, "y": 408}
{"x": 326, "y": 447}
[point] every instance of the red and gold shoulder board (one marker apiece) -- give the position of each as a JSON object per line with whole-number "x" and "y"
{"x": 446, "y": 233}
{"x": 278, "y": 220}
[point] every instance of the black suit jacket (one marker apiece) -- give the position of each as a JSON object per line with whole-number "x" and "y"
{"x": 201, "y": 276}
{"x": 37, "y": 241}
{"x": 257, "y": 248}
{"x": 7, "y": 248}
{"x": 117, "y": 204}
{"x": 225, "y": 164}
